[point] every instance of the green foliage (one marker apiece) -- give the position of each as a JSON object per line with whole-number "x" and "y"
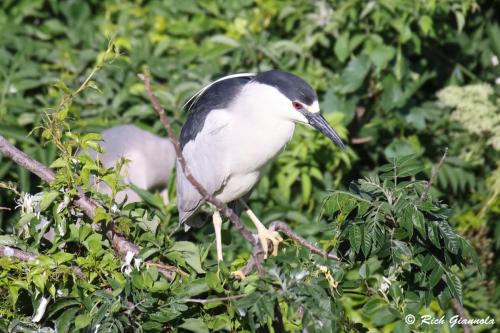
{"x": 394, "y": 79}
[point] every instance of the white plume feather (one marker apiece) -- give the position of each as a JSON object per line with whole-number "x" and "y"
{"x": 200, "y": 92}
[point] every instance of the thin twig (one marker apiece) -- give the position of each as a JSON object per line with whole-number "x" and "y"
{"x": 216, "y": 299}
{"x": 255, "y": 262}
{"x": 434, "y": 174}
{"x": 360, "y": 141}
{"x": 10, "y": 252}
{"x": 285, "y": 228}
{"x": 459, "y": 309}
{"x": 167, "y": 268}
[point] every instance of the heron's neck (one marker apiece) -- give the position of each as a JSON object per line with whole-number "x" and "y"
{"x": 259, "y": 132}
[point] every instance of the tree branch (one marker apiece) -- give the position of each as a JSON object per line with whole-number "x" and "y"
{"x": 10, "y": 252}
{"x": 285, "y": 228}
{"x": 216, "y": 299}
{"x": 434, "y": 174}
{"x": 459, "y": 309}
{"x": 87, "y": 205}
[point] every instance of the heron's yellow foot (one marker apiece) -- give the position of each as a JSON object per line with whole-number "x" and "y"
{"x": 238, "y": 275}
{"x": 266, "y": 235}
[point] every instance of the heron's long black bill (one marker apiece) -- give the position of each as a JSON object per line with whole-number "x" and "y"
{"x": 317, "y": 121}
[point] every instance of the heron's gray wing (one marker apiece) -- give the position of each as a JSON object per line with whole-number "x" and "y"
{"x": 206, "y": 157}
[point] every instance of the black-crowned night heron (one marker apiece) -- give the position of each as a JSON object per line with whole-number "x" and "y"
{"x": 236, "y": 126}
{"x": 150, "y": 160}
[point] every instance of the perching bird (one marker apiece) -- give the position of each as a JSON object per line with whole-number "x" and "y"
{"x": 151, "y": 160}
{"x": 236, "y": 126}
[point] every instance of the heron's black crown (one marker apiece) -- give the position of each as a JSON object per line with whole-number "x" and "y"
{"x": 289, "y": 85}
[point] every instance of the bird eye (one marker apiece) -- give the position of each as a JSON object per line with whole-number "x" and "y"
{"x": 297, "y": 105}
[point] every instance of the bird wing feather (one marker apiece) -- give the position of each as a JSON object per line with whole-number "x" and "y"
{"x": 192, "y": 101}
{"x": 206, "y": 165}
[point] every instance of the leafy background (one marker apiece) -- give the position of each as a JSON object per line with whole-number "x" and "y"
{"x": 395, "y": 78}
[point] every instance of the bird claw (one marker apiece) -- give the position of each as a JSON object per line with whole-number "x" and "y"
{"x": 239, "y": 275}
{"x": 274, "y": 237}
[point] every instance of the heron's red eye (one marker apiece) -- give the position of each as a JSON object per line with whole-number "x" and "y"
{"x": 297, "y": 105}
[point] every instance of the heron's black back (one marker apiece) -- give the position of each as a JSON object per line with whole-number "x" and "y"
{"x": 218, "y": 96}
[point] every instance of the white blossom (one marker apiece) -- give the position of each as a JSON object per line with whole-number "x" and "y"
{"x": 127, "y": 267}
{"x": 40, "y": 310}
{"x": 30, "y": 204}
{"x": 43, "y": 223}
{"x": 494, "y": 60}
{"x": 63, "y": 204}
{"x": 384, "y": 286}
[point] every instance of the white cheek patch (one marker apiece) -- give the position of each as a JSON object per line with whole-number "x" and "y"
{"x": 300, "y": 118}
{"x": 313, "y": 108}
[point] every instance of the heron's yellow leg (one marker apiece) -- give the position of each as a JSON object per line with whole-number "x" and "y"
{"x": 217, "y": 221}
{"x": 265, "y": 234}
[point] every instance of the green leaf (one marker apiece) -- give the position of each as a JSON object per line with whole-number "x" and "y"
{"x": 372, "y": 305}
{"x": 383, "y": 316}
{"x": 64, "y": 322}
{"x": 191, "y": 254}
{"x": 8, "y": 240}
{"x": 62, "y": 257}
{"x": 355, "y": 73}
{"x": 402, "y": 250}
{"x": 428, "y": 263}
{"x": 25, "y": 219}
{"x": 355, "y": 237}
{"x": 407, "y": 220}
{"x": 435, "y": 277}
{"x": 47, "y": 199}
{"x": 61, "y": 304}
{"x": 196, "y": 325}
{"x": 450, "y": 238}
{"x": 40, "y": 280}
{"x": 381, "y": 56}
{"x": 213, "y": 282}
{"x": 455, "y": 285}
{"x": 364, "y": 271}
{"x": 341, "y": 47}
{"x": 460, "y": 20}
{"x": 419, "y": 222}
{"x": 425, "y": 23}
{"x": 306, "y": 187}
{"x": 367, "y": 242}
{"x": 93, "y": 243}
{"x": 82, "y": 321}
{"x": 432, "y": 231}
